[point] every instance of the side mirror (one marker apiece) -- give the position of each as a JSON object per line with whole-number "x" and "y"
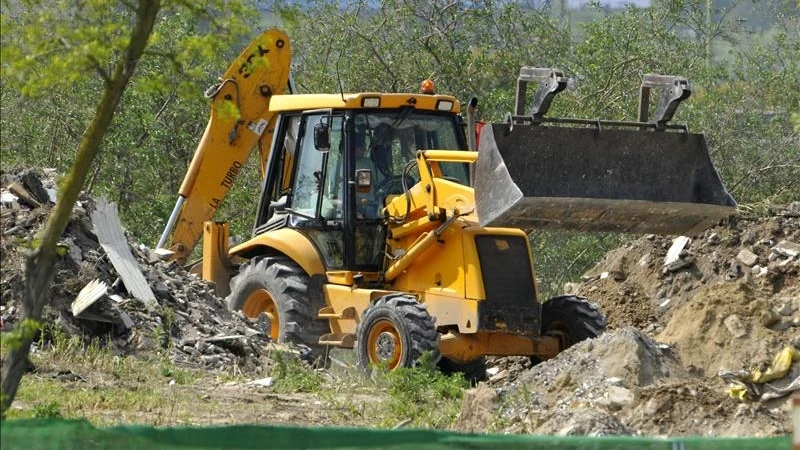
{"x": 322, "y": 137}
{"x": 278, "y": 206}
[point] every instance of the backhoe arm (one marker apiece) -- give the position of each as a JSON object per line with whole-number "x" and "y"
{"x": 240, "y": 120}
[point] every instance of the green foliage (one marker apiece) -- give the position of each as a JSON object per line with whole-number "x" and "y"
{"x": 180, "y": 376}
{"x": 70, "y": 349}
{"x": 561, "y": 257}
{"x": 49, "y": 410}
{"x": 466, "y": 48}
{"x": 423, "y": 394}
{"x": 163, "y": 331}
{"x": 291, "y": 375}
{"x": 50, "y": 92}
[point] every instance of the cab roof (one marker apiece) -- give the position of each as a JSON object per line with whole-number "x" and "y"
{"x": 304, "y": 102}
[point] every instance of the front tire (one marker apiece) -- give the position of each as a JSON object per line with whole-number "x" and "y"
{"x": 278, "y": 288}
{"x": 396, "y": 331}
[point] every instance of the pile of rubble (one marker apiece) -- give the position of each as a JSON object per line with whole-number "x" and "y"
{"x": 724, "y": 298}
{"x": 94, "y": 293}
{"x": 622, "y": 383}
{"x": 686, "y": 316}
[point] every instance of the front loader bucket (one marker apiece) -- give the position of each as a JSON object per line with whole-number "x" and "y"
{"x": 590, "y": 179}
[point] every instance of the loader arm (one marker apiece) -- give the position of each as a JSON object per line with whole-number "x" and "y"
{"x": 240, "y": 120}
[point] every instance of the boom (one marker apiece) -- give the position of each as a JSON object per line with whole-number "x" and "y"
{"x": 240, "y": 121}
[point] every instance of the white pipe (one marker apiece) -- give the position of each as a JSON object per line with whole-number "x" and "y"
{"x": 171, "y": 222}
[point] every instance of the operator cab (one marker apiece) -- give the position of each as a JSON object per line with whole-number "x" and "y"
{"x": 331, "y": 172}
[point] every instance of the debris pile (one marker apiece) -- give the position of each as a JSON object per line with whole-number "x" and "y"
{"x": 692, "y": 323}
{"x": 621, "y": 383}
{"x": 724, "y": 298}
{"x": 183, "y": 318}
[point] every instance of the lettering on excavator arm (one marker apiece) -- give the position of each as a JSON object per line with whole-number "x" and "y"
{"x": 240, "y": 121}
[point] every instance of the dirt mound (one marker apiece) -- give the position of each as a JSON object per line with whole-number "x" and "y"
{"x": 679, "y": 310}
{"x": 599, "y": 374}
{"x": 727, "y": 298}
{"x": 621, "y": 383}
{"x": 193, "y": 325}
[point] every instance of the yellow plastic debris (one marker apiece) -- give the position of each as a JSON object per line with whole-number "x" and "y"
{"x": 779, "y": 366}
{"x": 752, "y": 384}
{"x": 737, "y": 391}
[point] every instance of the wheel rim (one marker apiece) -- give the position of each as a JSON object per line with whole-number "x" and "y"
{"x": 384, "y": 344}
{"x": 261, "y": 302}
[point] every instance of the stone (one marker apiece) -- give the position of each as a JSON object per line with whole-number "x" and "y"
{"x": 735, "y": 271}
{"x": 615, "y": 381}
{"x": 781, "y": 326}
{"x": 734, "y": 324}
{"x": 768, "y": 318}
{"x": 785, "y": 309}
{"x": 787, "y": 248}
{"x": 616, "y": 397}
{"x": 759, "y": 271}
{"x": 679, "y": 264}
{"x": 161, "y": 288}
{"x": 747, "y": 257}
{"x": 499, "y": 376}
{"x": 674, "y": 252}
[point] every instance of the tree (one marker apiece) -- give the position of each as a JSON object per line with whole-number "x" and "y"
{"x": 467, "y": 48}
{"x": 96, "y": 46}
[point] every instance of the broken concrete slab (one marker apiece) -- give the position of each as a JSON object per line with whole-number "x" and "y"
{"x": 787, "y": 248}
{"x": 747, "y": 257}
{"x": 674, "y": 252}
{"x": 261, "y": 382}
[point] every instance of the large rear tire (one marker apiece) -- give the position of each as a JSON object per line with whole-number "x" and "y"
{"x": 571, "y": 319}
{"x": 278, "y": 288}
{"x": 395, "y": 332}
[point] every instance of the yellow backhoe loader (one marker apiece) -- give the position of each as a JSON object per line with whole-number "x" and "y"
{"x": 384, "y": 226}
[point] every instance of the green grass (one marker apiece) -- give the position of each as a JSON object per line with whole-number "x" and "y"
{"x": 422, "y": 394}
{"x": 292, "y": 376}
{"x": 48, "y": 397}
{"x": 77, "y": 379}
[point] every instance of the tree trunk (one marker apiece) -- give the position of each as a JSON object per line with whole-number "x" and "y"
{"x": 40, "y": 263}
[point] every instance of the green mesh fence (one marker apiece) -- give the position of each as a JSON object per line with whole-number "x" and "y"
{"x": 63, "y": 434}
